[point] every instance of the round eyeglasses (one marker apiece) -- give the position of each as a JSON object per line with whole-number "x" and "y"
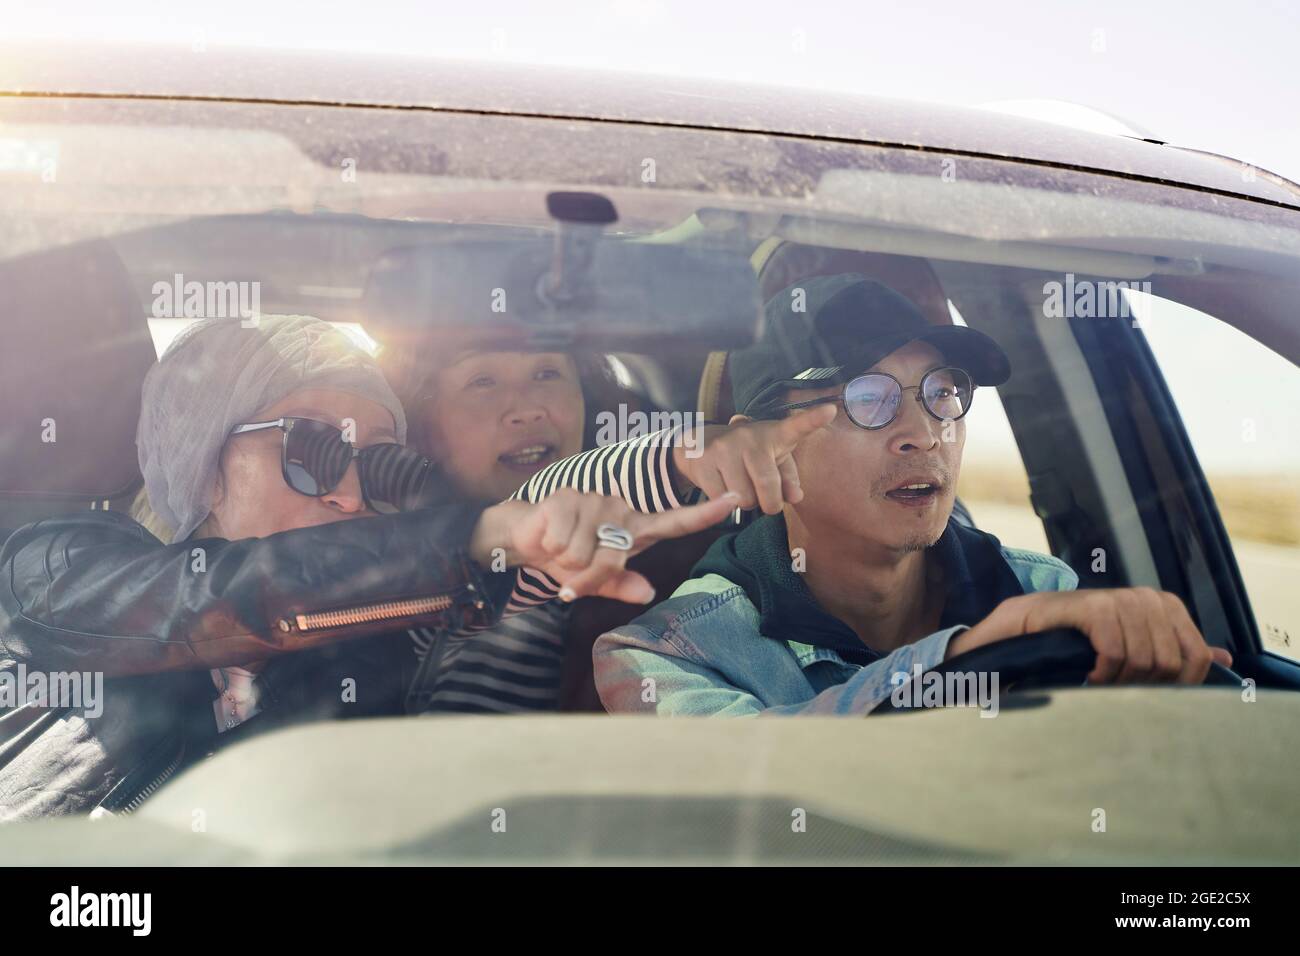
{"x": 873, "y": 400}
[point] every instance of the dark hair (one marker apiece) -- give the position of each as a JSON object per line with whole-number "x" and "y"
{"x": 600, "y": 390}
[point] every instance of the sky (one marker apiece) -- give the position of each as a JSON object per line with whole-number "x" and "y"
{"x": 1222, "y": 77}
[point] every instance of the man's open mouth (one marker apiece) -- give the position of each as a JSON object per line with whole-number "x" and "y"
{"x": 532, "y": 456}
{"x": 915, "y": 492}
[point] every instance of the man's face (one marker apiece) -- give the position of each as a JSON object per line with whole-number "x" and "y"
{"x": 252, "y": 499}
{"x": 495, "y": 419}
{"x": 853, "y": 478}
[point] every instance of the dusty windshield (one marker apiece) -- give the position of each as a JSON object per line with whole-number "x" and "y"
{"x": 567, "y": 371}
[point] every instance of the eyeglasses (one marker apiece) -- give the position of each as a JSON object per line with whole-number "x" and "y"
{"x": 873, "y": 400}
{"x": 314, "y": 457}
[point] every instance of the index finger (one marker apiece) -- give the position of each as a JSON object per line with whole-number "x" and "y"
{"x": 794, "y": 429}
{"x": 649, "y": 529}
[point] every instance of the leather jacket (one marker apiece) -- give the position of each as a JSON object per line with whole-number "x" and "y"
{"x": 321, "y": 606}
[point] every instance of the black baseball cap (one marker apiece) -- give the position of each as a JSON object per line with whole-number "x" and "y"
{"x": 827, "y": 330}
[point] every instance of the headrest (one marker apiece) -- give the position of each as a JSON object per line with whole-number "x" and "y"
{"x": 714, "y": 400}
{"x": 76, "y": 349}
{"x": 907, "y": 275}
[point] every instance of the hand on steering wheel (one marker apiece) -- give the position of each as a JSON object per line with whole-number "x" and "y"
{"x": 1139, "y": 634}
{"x": 1062, "y": 657}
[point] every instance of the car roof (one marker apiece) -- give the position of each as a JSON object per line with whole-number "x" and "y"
{"x": 485, "y": 86}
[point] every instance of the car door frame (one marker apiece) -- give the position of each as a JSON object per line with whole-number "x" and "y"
{"x": 1176, "y": 505}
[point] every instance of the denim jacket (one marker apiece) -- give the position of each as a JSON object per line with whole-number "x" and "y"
{"x": 745, "y": 636}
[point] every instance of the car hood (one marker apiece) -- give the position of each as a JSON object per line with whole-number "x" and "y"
{"x": 1090, "y": 776}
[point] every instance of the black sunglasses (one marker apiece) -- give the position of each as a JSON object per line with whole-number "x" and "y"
{"x": 873, "y": 400}
{"x": 314, "y": 457}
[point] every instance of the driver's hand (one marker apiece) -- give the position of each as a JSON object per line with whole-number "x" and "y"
{"x": 557, "y": 536}
{"x": 1140, "y": 634}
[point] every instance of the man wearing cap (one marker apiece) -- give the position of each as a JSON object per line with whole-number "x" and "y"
{"x": 856, "y": 572}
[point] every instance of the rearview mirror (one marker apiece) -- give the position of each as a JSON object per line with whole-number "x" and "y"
{"x": 583, "y": 289}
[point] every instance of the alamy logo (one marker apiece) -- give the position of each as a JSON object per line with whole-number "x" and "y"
{"x": 103, "y": 909}
{"x": 83, "y": 690}
{"x": 180, "y": 299}
{"x": 1085, "y": 299}
{"x": 930, "y": 689}
{"x": 613, "y": 427}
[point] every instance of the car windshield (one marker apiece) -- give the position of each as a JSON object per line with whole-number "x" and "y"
{"x": 1145, "y": 435}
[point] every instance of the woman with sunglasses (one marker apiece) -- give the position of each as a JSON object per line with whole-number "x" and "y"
{"x": 269, "y": 606}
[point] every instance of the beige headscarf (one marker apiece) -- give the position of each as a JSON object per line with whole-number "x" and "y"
{"x": 217, "y": 374}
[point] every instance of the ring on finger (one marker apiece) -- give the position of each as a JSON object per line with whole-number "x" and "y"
{"x": 614, "y": 537}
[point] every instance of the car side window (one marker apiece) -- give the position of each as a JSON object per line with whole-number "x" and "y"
{"x": 1238, "y": 401}
{"x": 994, "y": 485}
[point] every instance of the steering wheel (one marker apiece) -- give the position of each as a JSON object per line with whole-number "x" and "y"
{"x": 1062, "y": 657}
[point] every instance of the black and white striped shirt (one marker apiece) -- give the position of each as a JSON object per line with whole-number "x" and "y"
{"x": 516, "y": 665}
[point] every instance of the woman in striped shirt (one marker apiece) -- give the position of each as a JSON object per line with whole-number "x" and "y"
{"x": 496, "y": 420}
{"x": 493, "y": 420}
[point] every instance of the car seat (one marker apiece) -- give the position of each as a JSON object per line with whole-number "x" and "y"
{"x": 70, "y": 371}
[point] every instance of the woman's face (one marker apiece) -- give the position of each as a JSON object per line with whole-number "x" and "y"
{"x": 494, "y": 419}
{"x": 252, "y": 500}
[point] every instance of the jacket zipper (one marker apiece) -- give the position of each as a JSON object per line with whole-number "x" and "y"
{"x": 368, "y": 613}
{"x": 113, "y": 805}
{"x": 163, "y": 776}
